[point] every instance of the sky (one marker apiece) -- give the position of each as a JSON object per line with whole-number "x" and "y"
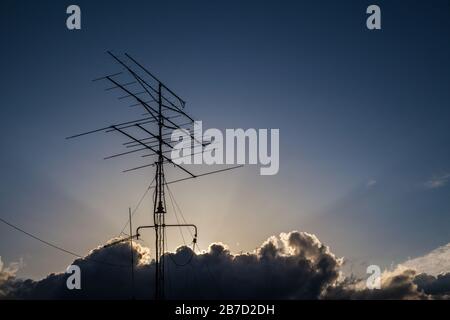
{"x": 363, "y": 119}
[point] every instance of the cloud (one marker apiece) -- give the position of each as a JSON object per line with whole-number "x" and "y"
{"x": 437, "y": 181}
{"x": 395, "y": 285}
{"x": 426, "y": 277}
{"x": 438, "y": 287}
{"x": 400, "y": 284}
{"x": 293, "y": 265}
{"x": 433, "y": 263}
{"x": 8, "y": 277}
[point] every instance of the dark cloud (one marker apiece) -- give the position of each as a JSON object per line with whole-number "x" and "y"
{"x": 291, "y": 266}
{"x": 294, "y": 265}
{"x": 395, "y": 285}
{"x": 401, "y": 283}
{"x": 436, "y": 286}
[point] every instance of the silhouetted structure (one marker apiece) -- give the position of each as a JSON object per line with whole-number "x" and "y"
{"x": 164, "y": 108}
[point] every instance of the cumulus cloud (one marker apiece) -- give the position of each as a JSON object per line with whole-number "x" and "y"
{"x": 293, "y": 265}
{"x": 395, "y": 285}
{"x": 400, "y": 284}
{"x": 433, "y": 263}
{"x": 437, "y": 287}
{"x": 8, "y": 277}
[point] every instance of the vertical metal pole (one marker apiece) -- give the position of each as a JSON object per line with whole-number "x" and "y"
{"x": 155, "y": 220}
{"x": 161, "y": 209}
{"x": 132, "y": 256}
{"x": 158, "y": 208}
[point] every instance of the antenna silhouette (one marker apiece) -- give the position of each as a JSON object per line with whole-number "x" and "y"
{"x": 163, "y": 108}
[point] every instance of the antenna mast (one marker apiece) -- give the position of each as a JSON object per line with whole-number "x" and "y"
{"x": 162, "y": 106}
{"x": 159, "y": 209}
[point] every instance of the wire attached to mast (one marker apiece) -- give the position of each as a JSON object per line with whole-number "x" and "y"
{"x": 60, "y": 248}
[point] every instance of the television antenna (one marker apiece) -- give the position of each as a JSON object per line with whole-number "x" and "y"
{"x": 164, "y": 110}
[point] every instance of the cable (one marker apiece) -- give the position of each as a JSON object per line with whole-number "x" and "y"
{"x": 43, "y": 241}
{"x": 176, "y": 217}
{"x": 216, "y": 282}
{"x": 137, "y": 206}
{"x": 54, "y": 246}
{"x": 172, "y": 199}
{"x": 188, "y": 261}
{"x": 179, "y": 209}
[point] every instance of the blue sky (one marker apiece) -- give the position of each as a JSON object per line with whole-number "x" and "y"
{"x": 363, "y": 118}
